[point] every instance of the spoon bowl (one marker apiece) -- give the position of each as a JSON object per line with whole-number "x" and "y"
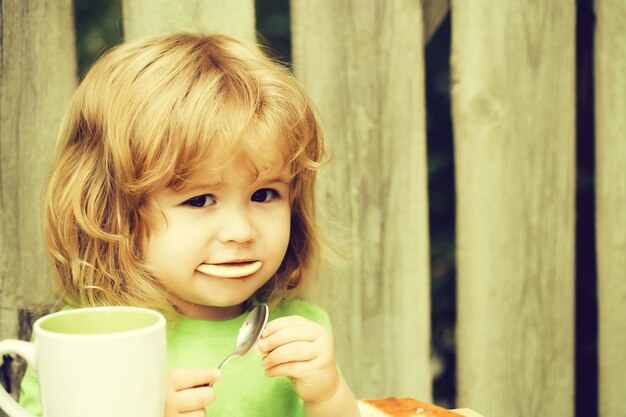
{"x": 249, "y": 332}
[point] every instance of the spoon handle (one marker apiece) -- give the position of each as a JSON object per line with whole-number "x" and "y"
{"x": 226, "y": 360}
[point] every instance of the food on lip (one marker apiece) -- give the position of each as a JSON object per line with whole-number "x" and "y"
{"x": 230, "y": 270}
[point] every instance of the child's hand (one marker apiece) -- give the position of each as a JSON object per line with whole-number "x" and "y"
{"x": 187, "y": 391}
{"x": 303, "y": 351}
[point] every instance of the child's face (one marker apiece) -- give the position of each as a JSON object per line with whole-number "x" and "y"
{"x": 219, "y": 217}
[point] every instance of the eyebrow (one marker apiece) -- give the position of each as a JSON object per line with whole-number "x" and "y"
{"x": 203, "y": 186}
{"x": 283, "y": 179}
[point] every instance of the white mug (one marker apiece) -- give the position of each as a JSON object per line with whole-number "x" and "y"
{"x": 95, "y": 362}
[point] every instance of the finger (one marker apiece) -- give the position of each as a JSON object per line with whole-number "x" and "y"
{"x": 195, "y": 413}
{"x": 291, "y": 352}
{"x": 296, "y": 370}
{"x": 282, "y": 322}
{"x": 192, "y": 399}
{"x": 184, "y": 378}
{"x": 284, "y": 335}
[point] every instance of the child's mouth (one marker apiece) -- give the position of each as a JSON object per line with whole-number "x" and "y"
{"x": 230, "y": 270}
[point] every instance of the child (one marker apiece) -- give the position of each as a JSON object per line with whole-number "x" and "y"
{"x": 183, "y": 181}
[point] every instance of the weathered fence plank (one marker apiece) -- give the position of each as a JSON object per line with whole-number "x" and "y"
{"x": 150, "y": 17}
{"x": 362, "y": 63}
{"x": 513, "y": 90}
{"x": 37, "y": 77}
{"x": 610, "y": 113}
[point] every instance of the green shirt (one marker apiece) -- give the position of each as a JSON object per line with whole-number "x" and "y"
{"x": 244, "y": 390}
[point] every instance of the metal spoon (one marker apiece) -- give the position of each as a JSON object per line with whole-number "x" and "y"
{"x": 249, "y": 332}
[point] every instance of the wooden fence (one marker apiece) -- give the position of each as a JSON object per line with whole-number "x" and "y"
{"x": 362, "y": 61}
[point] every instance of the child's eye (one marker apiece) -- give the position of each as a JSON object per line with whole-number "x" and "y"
{"x": 264, "y": 195}
{"x": 203, "y": 200}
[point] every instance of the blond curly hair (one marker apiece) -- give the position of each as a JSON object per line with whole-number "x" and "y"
{"x": 146, "y": 115}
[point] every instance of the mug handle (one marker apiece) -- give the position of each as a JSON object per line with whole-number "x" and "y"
{"x": 27, "y": 351}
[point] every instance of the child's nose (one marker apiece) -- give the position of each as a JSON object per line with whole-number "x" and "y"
{"x": 237, "y": 226}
